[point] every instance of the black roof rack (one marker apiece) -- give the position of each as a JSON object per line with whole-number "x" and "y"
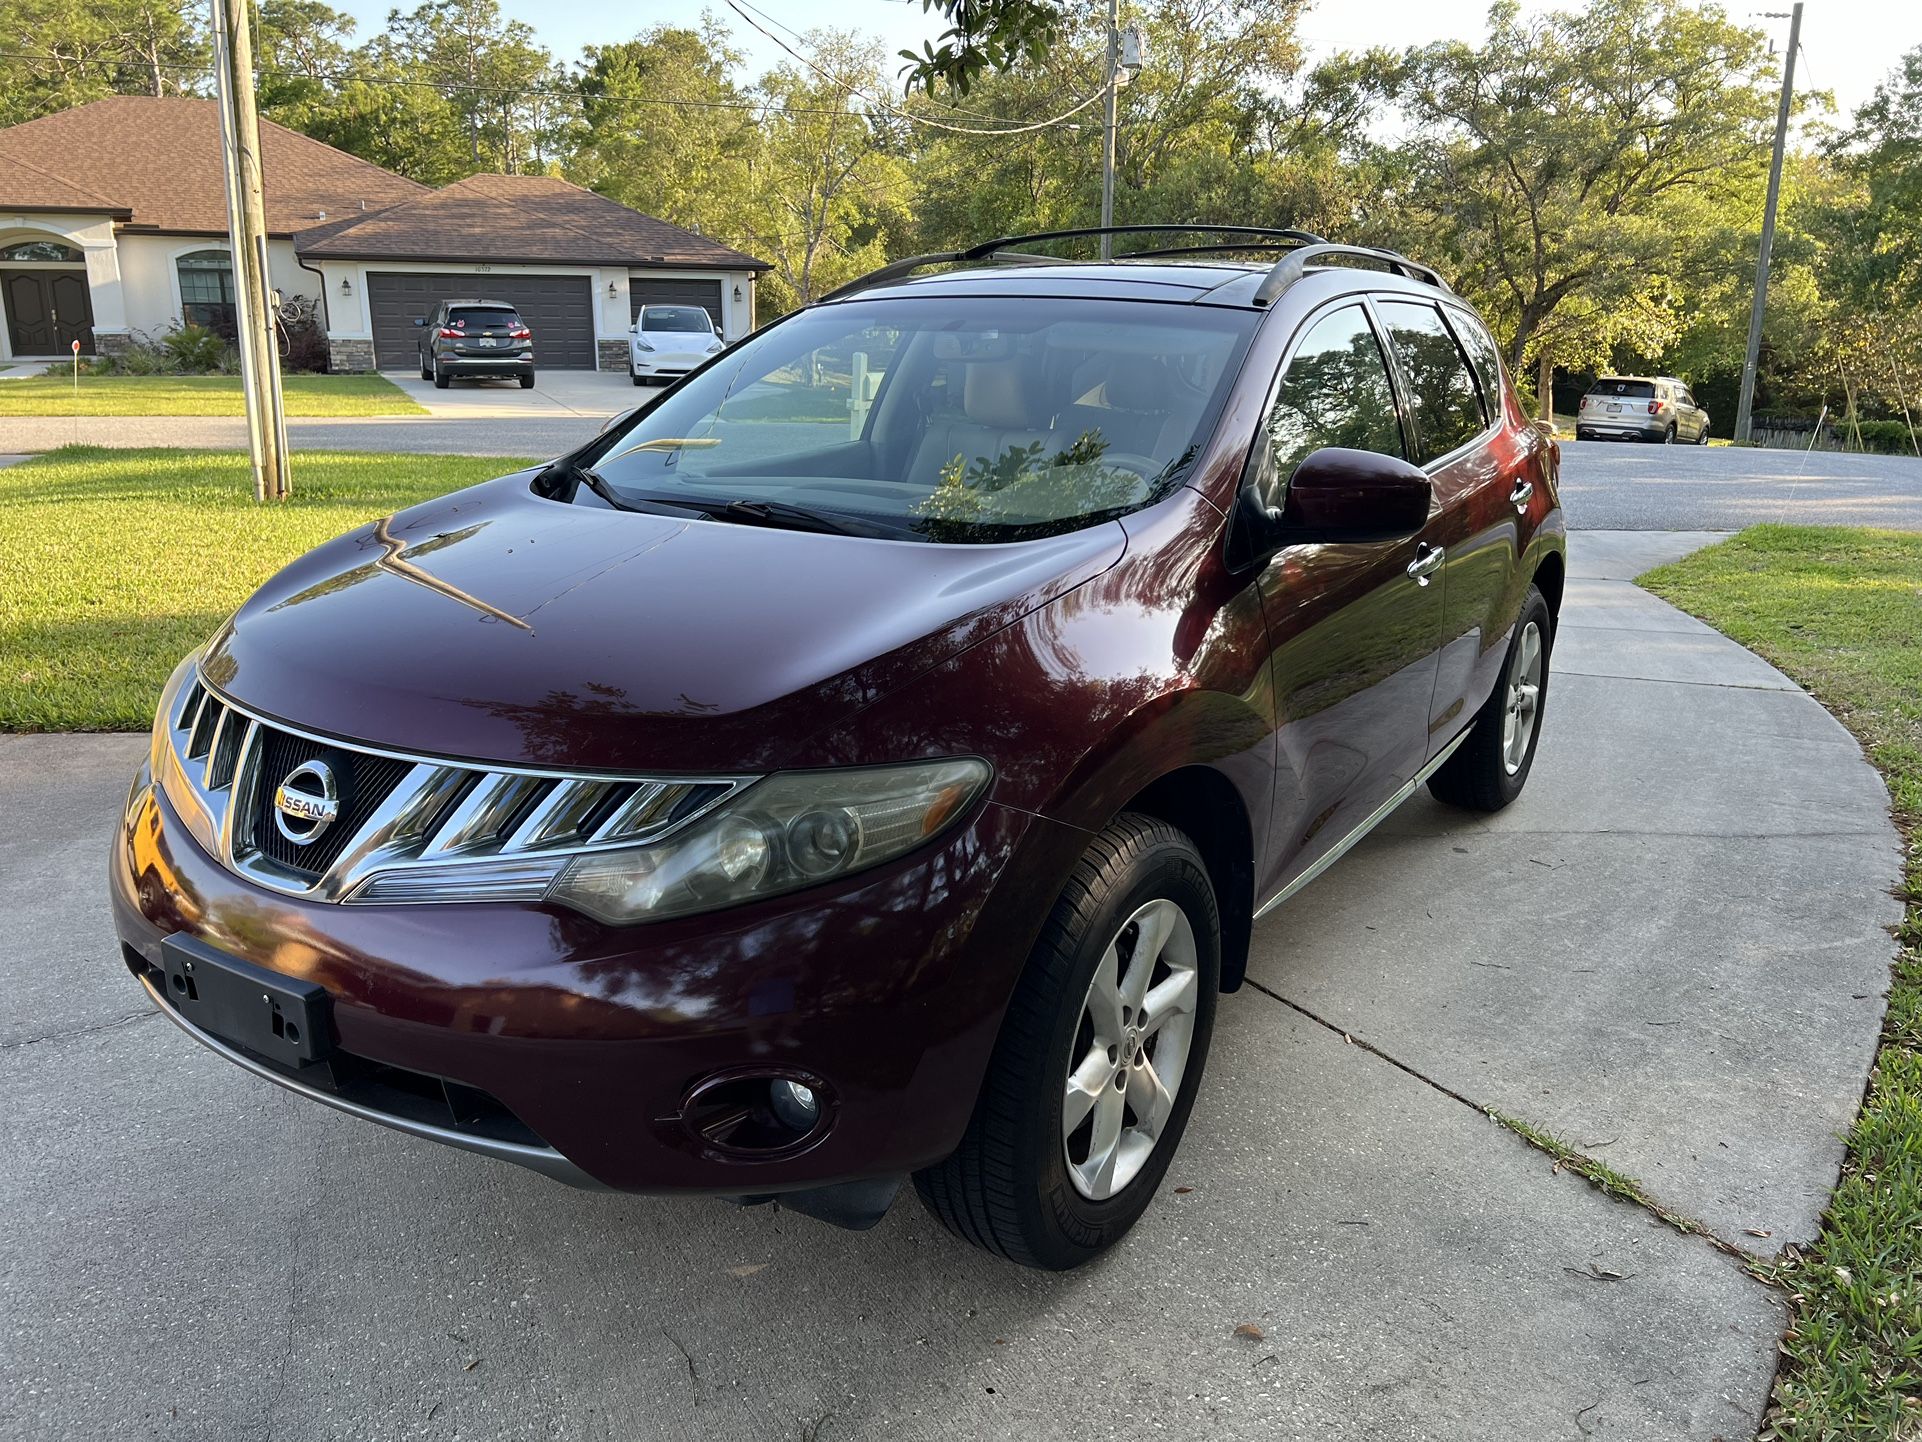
{"x": 1268, "y": 238}
{"x": 1293, "y": 266}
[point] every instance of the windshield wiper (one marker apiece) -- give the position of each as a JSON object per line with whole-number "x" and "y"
{"x": 572, "y": 472}
{"x": 791, "y": 517}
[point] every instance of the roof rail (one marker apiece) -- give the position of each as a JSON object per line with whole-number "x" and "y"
{"x": 1293, "y": 266}
{"x": 999, "y": 249}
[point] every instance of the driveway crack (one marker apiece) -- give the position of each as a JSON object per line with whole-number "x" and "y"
{"x": 1599, "y": 1175}
{"x": 89, "y": 1030}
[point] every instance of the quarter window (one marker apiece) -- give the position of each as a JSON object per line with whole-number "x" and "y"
{"x": 1336, "y": 392}
{"x": 1483, "y": 356}
{"x": 207, "y": 290}
{"x": 1448, "y": 411}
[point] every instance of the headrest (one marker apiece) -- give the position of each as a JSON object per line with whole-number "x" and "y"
{"x": 1140, "y": 383}
{"x": 1003, "y": 394}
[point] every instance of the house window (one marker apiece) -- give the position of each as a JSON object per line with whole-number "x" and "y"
{"x": 42, "y": 250}
{"x": 207, "y": 291}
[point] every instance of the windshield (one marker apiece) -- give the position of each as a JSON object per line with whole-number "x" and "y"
{"x": 675, "y": 317}
{"x": 975, "y": 419}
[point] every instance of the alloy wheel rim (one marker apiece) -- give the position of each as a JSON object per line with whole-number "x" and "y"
{"x": 1524, "y": 698}
{"x": 1130, "y": 1050}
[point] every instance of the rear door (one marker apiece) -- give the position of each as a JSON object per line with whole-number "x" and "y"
{"x": 1458, "y": 412}
{"x": 1353, "y": 631}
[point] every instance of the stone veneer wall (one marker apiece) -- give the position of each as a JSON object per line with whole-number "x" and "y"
{"x": 112, "y": 342}
{"x": 612, "y": 354}
{"x": 346, "y": 357}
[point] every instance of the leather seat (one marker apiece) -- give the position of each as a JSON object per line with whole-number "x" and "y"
{"x": 1004, "y": 406}
{"x": 1143, "y": 411}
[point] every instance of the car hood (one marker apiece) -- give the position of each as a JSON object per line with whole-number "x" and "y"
{"x": 497, "y": 625}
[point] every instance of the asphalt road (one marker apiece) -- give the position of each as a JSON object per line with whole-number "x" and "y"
{"x": 1616, "y": 486}
{"x": 1671, "y": 952}
{"x": 1606, "y": 486}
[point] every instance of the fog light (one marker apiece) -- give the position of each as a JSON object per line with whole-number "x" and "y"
{"x": 796, "y": 1105}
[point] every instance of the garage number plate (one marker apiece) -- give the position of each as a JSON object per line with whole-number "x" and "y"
{"x": 281, "y": 1018}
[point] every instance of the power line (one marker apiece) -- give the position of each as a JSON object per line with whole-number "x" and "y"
{"x": 737, "y": 7}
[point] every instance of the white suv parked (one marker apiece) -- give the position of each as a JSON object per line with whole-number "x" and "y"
{"x": 667, "y": 341}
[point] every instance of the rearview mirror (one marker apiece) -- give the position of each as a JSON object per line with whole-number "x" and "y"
{"x": 1338, "y": 495}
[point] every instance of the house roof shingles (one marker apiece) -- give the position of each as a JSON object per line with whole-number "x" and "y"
{"x": 154, "y": 163}
{"x": 509, "y": 219}
{"x": 158, "y": 160}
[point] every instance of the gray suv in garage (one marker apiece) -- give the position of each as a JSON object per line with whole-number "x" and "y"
{"x": 1641, "y": 408}
{"x": 472, "y": 339}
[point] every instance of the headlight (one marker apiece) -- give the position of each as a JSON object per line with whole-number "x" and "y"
{"x": 715, "y": 346}
{"x": 784, "y": 833}
{"x": 640, "y": 344}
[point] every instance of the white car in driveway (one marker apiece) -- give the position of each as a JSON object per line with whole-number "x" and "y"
{"x": 667, "y": 341}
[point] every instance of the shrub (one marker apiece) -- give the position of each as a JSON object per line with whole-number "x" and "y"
{"x": 195, "y": 350}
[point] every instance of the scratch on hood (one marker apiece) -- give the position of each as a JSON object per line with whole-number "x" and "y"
{"x": 392, "y": 563}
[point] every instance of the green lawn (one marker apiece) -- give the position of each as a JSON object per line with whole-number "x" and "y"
{"x": 198, "y": 396}
{"x": 117, "y": 563}
{"x": 1841, "y": 612}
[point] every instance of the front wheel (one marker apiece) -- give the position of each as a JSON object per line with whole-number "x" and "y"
{"x": 1489, "y": 769}
{"x": 1702, "y": 439}
{"x": 1098, "y": 1061}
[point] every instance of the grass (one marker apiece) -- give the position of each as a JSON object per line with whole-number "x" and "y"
{"x": 1841, "y": 611}
{"x": 53, "y": 395}
{"x": 117, "y": 563}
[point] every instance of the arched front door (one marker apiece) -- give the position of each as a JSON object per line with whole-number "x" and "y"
{"x": 47, "y": 310}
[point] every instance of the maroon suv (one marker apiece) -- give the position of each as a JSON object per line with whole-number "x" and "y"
{"x": 867, "y": 759}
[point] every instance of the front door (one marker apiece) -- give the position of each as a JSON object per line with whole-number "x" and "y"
{"x": 1354, "y": 630}
{"x": 47, "y": 311}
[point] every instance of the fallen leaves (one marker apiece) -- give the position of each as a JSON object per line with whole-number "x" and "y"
{"x": 747, "y": 1269}
{"x": 1248, "y": 1331}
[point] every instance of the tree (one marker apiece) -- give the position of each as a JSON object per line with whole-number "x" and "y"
{"x": 1567, "y": 165}
{"x": 829, "y": 187}
{"x": 984, "y": 35}
{"x": 665, "y": 129}
{"x": 59, "y": 53}
{"x": 499, "y": 85}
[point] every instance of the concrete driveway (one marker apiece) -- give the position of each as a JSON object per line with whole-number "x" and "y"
{"x": 1671, "y": 953}
{"x": 557, "y": 395}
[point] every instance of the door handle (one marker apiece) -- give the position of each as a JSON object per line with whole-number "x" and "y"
{"x": 1427, "y": 561}
{"x": 1518, "y": 498}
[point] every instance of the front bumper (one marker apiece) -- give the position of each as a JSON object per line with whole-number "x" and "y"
{"x": 665, "y": 363}
{"x": 587, "y": 1040}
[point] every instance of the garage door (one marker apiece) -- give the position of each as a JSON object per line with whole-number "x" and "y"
{"x": 559, "y": 309}
{"x": 645, "y": 290}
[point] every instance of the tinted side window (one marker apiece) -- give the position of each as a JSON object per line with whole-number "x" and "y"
{"x": 1335, "y": 393}
{"x": 1448, "y": 410}
{"x": 1483, "y": 356}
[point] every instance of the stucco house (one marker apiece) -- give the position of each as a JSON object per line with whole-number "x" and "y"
{"x": 113, "y": 223}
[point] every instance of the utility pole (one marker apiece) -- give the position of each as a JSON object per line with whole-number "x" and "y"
{"x": 254, "y": 299}
{"x": 1746, "y": 403}
{"x": 1108, "y": 127}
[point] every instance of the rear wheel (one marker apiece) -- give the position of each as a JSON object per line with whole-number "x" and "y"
{"x": 1489, "y": 769}
{"x": 1668, "y": 436}
{"x": 527, "y": 381}
{"x": 1098, "y": 1061}
{"x": 440, "y": 377}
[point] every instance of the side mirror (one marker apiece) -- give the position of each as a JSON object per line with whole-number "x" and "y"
{"x": 1342, "y": 495}
{"x": 616, "y": 419}
{"x": 420, "y": 320}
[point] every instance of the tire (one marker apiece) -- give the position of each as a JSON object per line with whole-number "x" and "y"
{"x": 1702, "y": 439}
{"x": 426, "y": 371}
{"x": 440, "y": 377}
{"x": 1486, "y": 773}
{"x": 1011, "y": 1187}
{"x": 1668, "y": 436}
{"x": 635, "y": 378}
{"x": 527, "y": 381}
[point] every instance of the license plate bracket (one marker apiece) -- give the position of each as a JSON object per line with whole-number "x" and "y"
{"x": 281, "y": 1018}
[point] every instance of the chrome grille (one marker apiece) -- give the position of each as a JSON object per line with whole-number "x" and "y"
{"x": 510, "y": 828}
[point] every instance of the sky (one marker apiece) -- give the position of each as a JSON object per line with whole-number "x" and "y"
{"x": 1848, "y": 46}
